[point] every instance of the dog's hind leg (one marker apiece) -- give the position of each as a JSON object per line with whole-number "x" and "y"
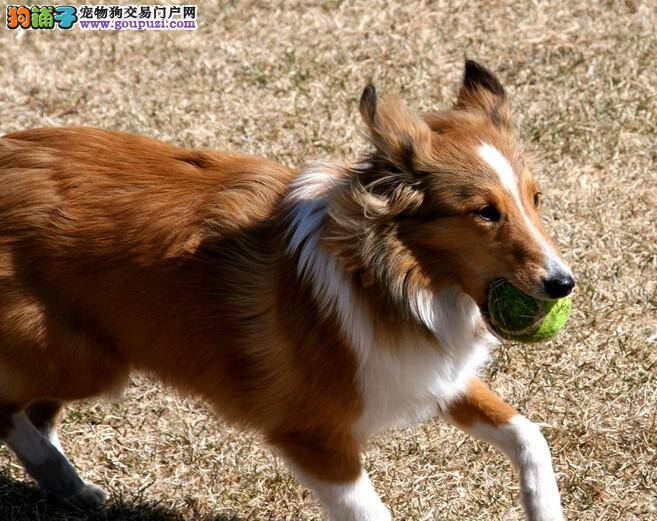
{"x": 44, "y": 415}
{"x": 44, "y": 461}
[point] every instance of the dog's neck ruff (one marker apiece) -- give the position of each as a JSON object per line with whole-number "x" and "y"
{"x": 452, "y": 316}
{"x": 428, "y": 371}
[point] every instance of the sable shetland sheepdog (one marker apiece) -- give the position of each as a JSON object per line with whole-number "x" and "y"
{"x": 316, "y": 306}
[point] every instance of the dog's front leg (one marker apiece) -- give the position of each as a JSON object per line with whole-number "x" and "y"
{"x": 484, "y": 415}
{"x": 330, "y": 466}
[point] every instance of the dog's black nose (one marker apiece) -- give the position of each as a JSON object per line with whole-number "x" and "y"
{"x": 560, "y": 285}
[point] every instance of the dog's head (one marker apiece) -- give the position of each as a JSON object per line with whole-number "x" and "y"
{"x": 466, "y": 204}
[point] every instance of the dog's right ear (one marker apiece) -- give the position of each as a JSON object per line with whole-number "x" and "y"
{"x": 399, "y": 135}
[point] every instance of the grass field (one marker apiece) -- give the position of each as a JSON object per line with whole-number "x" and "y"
{"x": 282, "y": 80}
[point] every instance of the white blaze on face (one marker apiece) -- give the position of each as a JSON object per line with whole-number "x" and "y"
{"x": 504, "y": 171}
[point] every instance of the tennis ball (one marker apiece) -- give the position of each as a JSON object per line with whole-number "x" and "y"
{"x": 517, "y": 316}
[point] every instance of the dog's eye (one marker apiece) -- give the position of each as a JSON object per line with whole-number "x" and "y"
{"x": 488, "y": 213}
{"x": 538, "y": 197}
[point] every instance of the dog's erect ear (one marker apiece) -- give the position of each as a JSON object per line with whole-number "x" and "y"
{"x": 401, "y": 136}
{"x": 482, "y": 92}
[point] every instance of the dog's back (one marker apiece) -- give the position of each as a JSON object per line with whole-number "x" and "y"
{"x": 113, "y": 248}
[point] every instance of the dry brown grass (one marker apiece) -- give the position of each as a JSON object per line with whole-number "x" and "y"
{"x": 283, "y": 81}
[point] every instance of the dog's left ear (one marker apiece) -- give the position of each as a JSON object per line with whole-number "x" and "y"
{"x": 401, "y": 136}
{"x": 483, "y": 93}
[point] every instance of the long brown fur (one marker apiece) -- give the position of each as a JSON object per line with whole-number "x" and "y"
{"x": 122, "y": 253}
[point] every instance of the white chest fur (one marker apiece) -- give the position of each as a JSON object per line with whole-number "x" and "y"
{"x": 406, "y": 384}
{"x": 399, "y": 384}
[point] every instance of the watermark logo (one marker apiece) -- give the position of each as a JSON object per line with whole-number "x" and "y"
{"x": 103, "y": 17}
{"x": 41, "y": 17}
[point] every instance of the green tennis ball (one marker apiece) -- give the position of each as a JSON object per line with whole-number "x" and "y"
{"x": 517, "y": 316}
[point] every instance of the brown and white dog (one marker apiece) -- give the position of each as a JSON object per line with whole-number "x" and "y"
{"x": 317, "y": 307}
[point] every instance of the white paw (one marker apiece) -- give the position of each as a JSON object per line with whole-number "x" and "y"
{"x": 90, "y": 496}
{"x": 381, "y": 514}
{"x": 545, "y": 516}
{"x": 544, "y": 507}
{"x": 363, "y": 516}
{"x": 363, "y": 512}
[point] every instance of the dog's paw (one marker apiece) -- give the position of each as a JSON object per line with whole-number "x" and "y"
{"x": 90, "y": 496}
{"x": 545, "y": 512}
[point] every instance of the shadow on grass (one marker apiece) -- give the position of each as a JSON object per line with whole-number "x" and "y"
{"x": 21, "y": 501}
